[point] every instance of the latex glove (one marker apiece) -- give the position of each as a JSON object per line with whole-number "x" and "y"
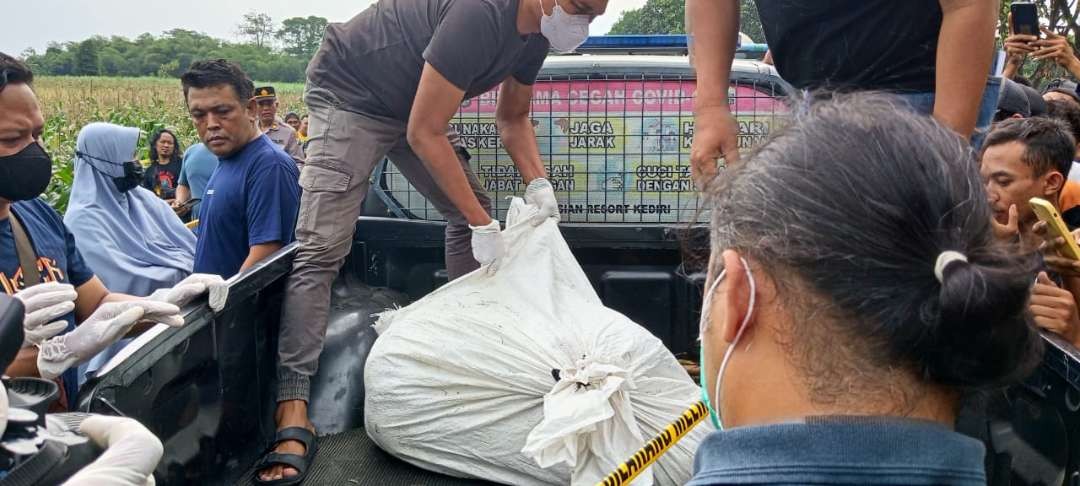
{"x": 192, "y": 287}
{"x": 105, "y": 326}
{"x": 131, "y": 453}
{"x": 46, "y": 305}
{"x": 540, "y": 194}
{"x": 487, "y": 244}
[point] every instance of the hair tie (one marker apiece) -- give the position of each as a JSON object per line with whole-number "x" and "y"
{"x": 944, "y": 259}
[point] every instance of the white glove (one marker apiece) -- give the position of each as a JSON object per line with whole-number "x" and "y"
{"x": 540, "y": 194}
{"x": 131, "y": 453}
{"x": 192, "y": 287}
{"x": 487, "y": 244}
{"x": 105, "y": 326}
{"x": 46, "y": 305}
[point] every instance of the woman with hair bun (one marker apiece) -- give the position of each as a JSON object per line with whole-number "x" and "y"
{"x": 856, "y": 294}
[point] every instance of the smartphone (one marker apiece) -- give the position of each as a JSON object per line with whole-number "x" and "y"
{"x": 1025, "y": 18}
{"x": 1055, "y": 226}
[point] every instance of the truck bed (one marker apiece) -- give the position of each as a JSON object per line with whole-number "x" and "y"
{"x": 352, "y": 458}
{"x": 207, "y": 389}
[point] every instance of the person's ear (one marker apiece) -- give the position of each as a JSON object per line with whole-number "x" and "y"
{"x": 1053, "y": 182}
{"x": 734, "y": 295}
{"x": 252, "y": 108}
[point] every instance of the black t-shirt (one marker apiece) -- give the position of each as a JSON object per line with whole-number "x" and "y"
{"x": 886, "y": 45}
{"x": 162, "y": 179}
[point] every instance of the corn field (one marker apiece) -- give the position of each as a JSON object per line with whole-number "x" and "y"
{"x": 70, "y": 103}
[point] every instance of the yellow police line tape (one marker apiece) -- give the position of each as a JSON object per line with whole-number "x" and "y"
{"x": 644, "y": 457}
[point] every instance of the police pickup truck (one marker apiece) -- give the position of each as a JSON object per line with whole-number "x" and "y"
{"x": 614, "y": 126}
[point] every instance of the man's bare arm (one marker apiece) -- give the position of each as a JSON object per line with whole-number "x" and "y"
{"x": 436, "y": 102}
{"x": 516, "y": 130}
{"x": 257, "y": 252}
{"x": 714, "y": 27}
{"x": 964, "y": 54}
{"x": 183, "y": 194}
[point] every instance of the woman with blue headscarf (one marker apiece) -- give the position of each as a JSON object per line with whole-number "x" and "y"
{"x": 130, "y": 238}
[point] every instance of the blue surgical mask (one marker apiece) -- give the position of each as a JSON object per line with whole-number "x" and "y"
{"x": 703, "y": 324}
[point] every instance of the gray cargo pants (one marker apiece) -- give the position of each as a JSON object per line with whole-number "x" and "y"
{"x": 343, "y": 150}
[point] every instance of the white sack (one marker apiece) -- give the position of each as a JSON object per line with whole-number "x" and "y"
{"x": 462, "y": 381}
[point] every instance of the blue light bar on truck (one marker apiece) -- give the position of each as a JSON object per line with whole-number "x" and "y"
{"x": 656, "y": 44}
{"x": 634, "y": 41}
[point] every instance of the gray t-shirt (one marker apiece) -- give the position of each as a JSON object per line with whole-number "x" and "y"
{"x": 372, "y": 63}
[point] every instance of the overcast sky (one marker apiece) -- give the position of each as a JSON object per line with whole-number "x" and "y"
{"x": 42, "y": 21}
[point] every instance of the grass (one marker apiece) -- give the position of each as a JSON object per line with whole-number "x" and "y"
{"x": 70, "y": 103}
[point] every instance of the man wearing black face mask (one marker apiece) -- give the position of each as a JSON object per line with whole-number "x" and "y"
{"x": 40, "y": 263}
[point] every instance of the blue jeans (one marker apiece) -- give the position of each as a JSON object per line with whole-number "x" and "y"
{"x": 924, "y": 103}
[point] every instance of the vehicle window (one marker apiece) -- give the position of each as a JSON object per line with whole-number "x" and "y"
{"x": 617, "y": 147}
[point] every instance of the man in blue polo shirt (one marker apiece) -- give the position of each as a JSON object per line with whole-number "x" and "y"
{"x": 250, "y": 205}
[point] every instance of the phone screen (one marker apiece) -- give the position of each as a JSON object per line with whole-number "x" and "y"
{"x": 1025, "y": 18}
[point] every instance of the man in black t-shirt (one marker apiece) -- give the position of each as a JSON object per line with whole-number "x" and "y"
{"x": 387, "y": 83}
{"x": 935, "y": 53}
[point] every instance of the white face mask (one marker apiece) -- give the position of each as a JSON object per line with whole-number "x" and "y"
{"x": 703, "y": 324}
{"x": 565, "y": 32}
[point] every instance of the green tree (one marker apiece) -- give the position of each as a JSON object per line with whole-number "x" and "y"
{"x": 749, "y": 22}
{"x": 258, "y": 28}
{"x": 669, "y": 17}
{"x": 301, "y": 36}
{"x": 58, "y": 59}
{"x": 167, "y": 55}
{"x": 112, "y": 61}
{"x": 655, "y": 17}
{"x": 87, "y": 58}
{"x": 169, "y": 69}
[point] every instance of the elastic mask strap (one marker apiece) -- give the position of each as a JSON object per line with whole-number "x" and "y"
{"x": 98, "y": 170}
{"x": 738, "y": 335}
{"x": 88, "y": 156}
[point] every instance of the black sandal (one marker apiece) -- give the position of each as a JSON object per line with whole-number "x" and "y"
{"x": 295, "y": 461}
